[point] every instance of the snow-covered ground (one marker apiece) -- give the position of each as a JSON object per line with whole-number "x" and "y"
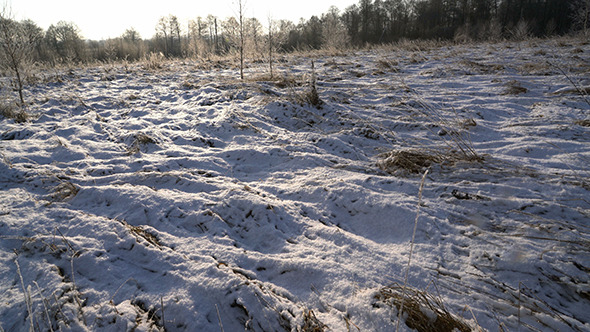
{"x": 184, "y": 199}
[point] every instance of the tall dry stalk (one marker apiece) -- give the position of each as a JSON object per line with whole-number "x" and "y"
{"x": 219, "y": 319}
{"x": 242, "y": 36}
{"x": 454, "y": 138}
{"x": 27, "y": 297}
{"x": 401, "y": 309}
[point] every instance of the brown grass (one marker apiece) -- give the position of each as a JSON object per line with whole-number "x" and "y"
{"x": 483, "y": 67}
{"x": 452, "y": 134}
{"x": 387, "y": 65}
{"x": 514, "y": 88}
{"x": 138, "y": 232}
{"x": 309, "y": 95}
{"x": 280, "y": 81}
{"x": 64, "y": 191}
{"x": 536, "y": 68}
{"x": 140, "y": 140}
{"x": 12, "y": 111}
{"x": 153, "y": 61}
{"x": 424, "y": 312}
{"x": 578, "y": 90}
{"x": 410, "y": 160}
{"x": 311, "y": 323}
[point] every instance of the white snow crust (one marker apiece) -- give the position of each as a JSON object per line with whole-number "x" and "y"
{"x": 183, "y": 199}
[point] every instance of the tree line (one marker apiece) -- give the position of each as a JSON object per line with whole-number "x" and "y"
{"x": 368, "y": 22}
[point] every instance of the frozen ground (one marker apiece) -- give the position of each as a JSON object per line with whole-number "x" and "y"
{"x": 183, "y": 199}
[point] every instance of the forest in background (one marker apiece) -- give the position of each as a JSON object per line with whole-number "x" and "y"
{"x": 370, "y": 22}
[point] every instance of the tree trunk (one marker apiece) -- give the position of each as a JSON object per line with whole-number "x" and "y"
{"x": 241, "y": 13}
{"x": 270, "y": 46}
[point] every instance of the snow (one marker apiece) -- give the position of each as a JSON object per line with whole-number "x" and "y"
{"x": 184, "y": 199}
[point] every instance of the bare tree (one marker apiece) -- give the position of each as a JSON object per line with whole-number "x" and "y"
{"x": 231, "y": 33}
{"x": 168, "y": 32}
{"x": 271, "y": 44}
{"x": 131, "y": 46}
{"x": 213, "y": 33}
{"x": 278, "y": 33}
{"x": 241, "y": 7}
{"x": 65, "y": 41}
{"x": 581, "y": 16}
{"x": 175, "y": 40}
{"x": 162, "y": 32}
{"x": 195, "y": 37}
{"x": 15, "y": 50}
{"x": 334, "y": 32}
{"x": 253, "y": 38}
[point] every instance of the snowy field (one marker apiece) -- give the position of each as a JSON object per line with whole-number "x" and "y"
{"x": 183, "y": 199}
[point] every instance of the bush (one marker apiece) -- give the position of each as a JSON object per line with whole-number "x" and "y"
{"x": 10, "y": 110}
{"x": 153, "y": 61}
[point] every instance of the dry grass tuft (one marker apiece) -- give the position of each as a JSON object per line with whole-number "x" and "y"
{"x": 483, "y": 67}
{"x": 280, "y": 81}
{"x": 138, "y": 232}
{"x": 411, "y": 160}
{"x": 514, "y": 88}
{"x": 310, "y": 95}
{"x": 12, "y": 111}
{"x": 64, "y": 191}
{"x": 578, "y": 90}
{"x": 144, "y": 139}
{"x": 452, "y": 131}
{"x": 583, "y": 123}
{"x": 423, "y": 312}
{"x": 284, "y": 82}
{"x": 417, "y": 160}
{"x": 536, "y": 68}
{"x": 140, "y": 140}
{"x": 153, "y": 61}
{"x": 311, "y": 323}
{"x": 387, "y": 65}
{"x": 188, "y": 85}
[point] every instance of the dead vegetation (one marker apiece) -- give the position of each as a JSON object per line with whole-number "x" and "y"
{"x": 582, "y": 91}
{"x": 416, "y": 160}
{"x": 536, "y": 68}
{"x": 583, "y": 123}
{"x": 422, "y": 311}
{"x": 410, "y": 160}
{"x": 311, "y": 323}
{"x": 384, "y": 64}
{"x": 483, "y": 68}
{"x": 153, "y": 61}
{"x": 280, "y": 81}
{"x": 140, "y": 233}
{"x": 139, "y": 141}
{"x": 64, "y": 190}
{"x": 452, "y": 130}
{"x": 309, "y": 96}
{"x": 514, "y": 88}
{"x": 10, "y": 110}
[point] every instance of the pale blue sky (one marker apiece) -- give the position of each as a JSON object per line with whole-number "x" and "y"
{"x": 100, "y": 19}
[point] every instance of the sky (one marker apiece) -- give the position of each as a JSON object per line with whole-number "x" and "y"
{"x": 110, "y": 18}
